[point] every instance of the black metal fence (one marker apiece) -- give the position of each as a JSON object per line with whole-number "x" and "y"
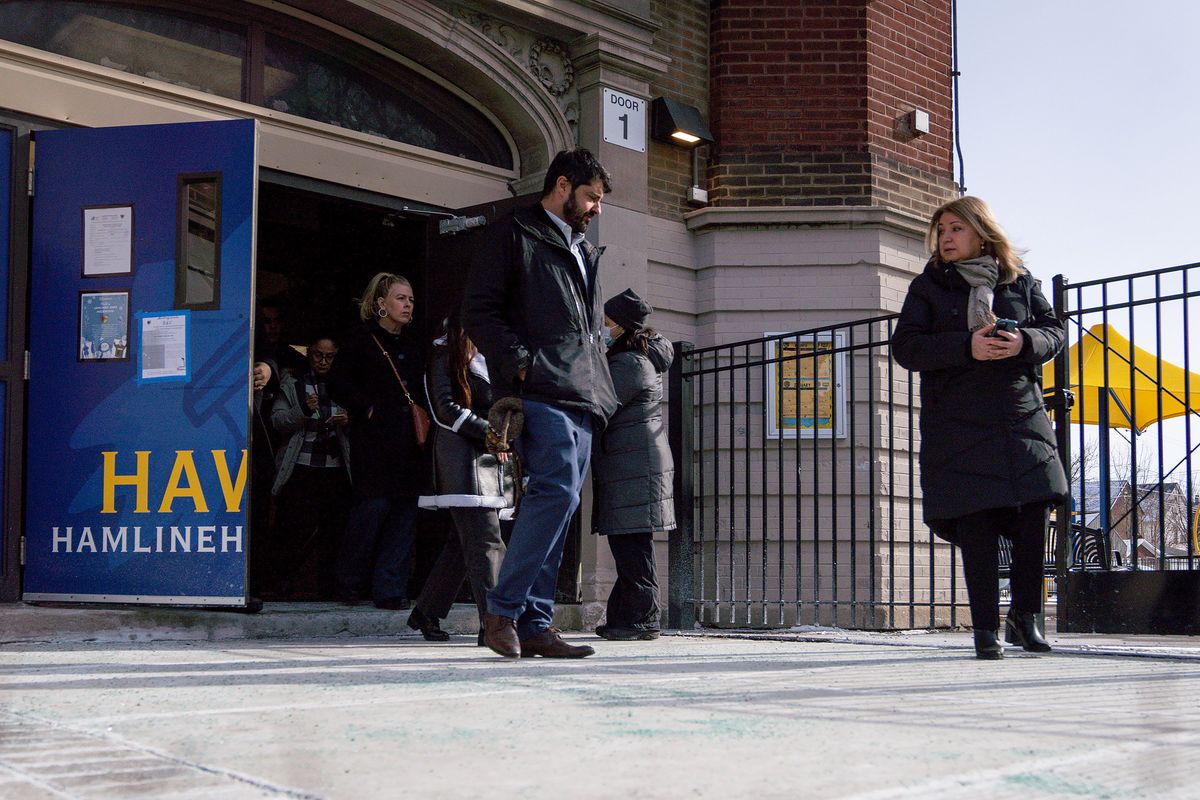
{"x": 1131, "y": 442}
{"x": 798, "y": 451}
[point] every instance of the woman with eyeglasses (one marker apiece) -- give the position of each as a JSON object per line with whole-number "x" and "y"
{"x": 312, "y": 481}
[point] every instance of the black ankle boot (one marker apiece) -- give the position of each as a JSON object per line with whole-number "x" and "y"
{"x": 1020, "y": 627}
{"x": 987, "y": 645}
{"x": 428, "y": 626}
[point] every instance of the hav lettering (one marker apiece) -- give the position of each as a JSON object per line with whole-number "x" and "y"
{"x": 183, "y": 485}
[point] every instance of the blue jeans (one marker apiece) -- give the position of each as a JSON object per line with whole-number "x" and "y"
{"x": 555, "y": 447}
{"x": 376, "y": 545}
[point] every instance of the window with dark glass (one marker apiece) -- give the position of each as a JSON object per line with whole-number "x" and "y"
{"x": 198, "y": 258}
{"x": 399, "y": 104}
{"x": 189, "y": 52}
{"x": 266, "y": 59}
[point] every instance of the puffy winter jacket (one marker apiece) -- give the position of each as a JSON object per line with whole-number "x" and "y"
{"x": 526, "y": 306}
{"x": 632, "y": 469}
{"x": 465, "y": 474}
{"x": 986, "y": 440}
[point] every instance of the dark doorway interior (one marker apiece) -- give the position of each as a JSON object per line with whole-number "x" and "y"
{"x": 316, "y": 253}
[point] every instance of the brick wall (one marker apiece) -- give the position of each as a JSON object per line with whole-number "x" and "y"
{"x": 804, "y": 97}
{"x": 682, "y": 35}
{"x": 909, "y": 64}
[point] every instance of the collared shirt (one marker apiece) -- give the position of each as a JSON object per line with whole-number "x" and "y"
{"x": 573, "y": 241}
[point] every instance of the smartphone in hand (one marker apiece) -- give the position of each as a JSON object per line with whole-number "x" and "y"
{"x": 1009, "y": 325}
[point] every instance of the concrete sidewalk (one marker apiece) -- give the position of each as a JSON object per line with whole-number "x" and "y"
{"x": 809, "y": 713}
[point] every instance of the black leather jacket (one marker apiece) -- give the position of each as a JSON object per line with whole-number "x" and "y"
{"x": 526, "y": 306}
{"x": 465, "y": 474}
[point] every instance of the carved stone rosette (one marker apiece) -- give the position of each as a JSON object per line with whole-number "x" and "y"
{"x": 546, "y": 59}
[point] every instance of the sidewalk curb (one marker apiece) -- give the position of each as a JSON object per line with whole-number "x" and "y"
{"x": 25, "y": 623}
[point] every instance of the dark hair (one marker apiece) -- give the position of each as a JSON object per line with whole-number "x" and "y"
{"x": 638, "y": 340}
{"x": 459, "y": 350}
{"x": 578, "y": 166}
{"x": 322, "y": 336}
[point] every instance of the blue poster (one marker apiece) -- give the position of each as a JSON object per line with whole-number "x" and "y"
{"x": 137, "y": 466}
{"x": 103, "y": 326}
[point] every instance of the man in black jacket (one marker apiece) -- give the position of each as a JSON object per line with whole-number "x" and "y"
{"x": 532, "y": 306}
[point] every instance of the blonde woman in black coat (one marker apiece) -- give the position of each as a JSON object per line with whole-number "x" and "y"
{"x": 632, "y": 469}
{"x": 976, "y": 326}
{"x": 377, "y": 371}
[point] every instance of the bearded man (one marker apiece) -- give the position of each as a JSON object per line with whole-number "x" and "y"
{"x": 533, "y": 308}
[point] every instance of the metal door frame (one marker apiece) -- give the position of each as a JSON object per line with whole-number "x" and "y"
{"x": 12, "y": 362}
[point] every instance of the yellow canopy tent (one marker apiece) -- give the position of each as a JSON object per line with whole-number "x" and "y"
{"x": 1132, "y": 398}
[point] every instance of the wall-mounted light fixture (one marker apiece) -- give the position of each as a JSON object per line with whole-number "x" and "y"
{"x": 678, "y": 124}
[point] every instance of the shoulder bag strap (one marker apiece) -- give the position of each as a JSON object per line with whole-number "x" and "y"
{"x": 392, "y": 364}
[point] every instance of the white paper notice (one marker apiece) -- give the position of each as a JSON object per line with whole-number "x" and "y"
{"x": 108, "y": 241}
{"x": 164, "y": 347}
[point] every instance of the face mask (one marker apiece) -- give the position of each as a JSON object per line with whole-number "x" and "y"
{"x": 609, "y": 341}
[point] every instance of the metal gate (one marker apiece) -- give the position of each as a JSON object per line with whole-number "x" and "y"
{"x": 797, "y": 451}
{"x": 1130, "y": 445}
{"x": 797, "y": 485}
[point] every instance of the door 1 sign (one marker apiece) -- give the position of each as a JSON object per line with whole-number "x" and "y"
{"x": 624, "y": 120}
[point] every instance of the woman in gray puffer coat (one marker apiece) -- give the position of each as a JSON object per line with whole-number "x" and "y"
{"x": 976, "y": 326}
{"x": 632, "y": 469}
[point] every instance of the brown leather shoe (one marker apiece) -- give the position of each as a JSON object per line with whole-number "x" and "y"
{"x": 500, "y": 634}
{"x": 550, "y": 644}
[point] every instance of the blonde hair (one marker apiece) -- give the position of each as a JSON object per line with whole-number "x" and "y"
{"x": 978, "y": 215}
{"x": 376, "y": 290}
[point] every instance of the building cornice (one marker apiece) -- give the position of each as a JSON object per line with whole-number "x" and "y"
{"x": 707, "y": 220}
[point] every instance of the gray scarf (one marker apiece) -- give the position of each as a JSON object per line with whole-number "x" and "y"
{"x": 980, "y": 274}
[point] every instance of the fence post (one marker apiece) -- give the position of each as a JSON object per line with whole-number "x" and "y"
{"x": 1061, "y": 405}
{"x": 681, "y": 612}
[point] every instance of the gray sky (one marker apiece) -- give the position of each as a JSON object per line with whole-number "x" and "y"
{"x": 1081, "y": 128}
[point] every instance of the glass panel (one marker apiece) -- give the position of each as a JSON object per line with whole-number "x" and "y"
{"x": 198, "y": 271}
{"x": 180, "y": 50}
{"x": 381, "y": 98}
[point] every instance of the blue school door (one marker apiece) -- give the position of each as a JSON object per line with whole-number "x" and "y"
{"x": 139, "y": 395}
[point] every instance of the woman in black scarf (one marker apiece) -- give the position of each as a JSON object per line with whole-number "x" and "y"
{"x": 976, "y": 326}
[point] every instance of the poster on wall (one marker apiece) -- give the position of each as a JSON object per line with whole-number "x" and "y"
{"x": 107, "y": 240}
{"x": 103, "y": 326}
{"x": 805, "y": 379}
{"x": 163, "y": 346}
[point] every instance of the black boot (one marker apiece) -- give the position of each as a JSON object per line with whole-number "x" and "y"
{"x": 1020, "y": 627}
{"x": 987, "y": 645}
{"x": 428, "y": 626}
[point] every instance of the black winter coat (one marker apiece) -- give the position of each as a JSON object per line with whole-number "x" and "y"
{"x": 986, "y": 440}
{"x": 526, "y": 306}
{"x": 632, "y": 470}
{"x": 465, "y": 474}
{"x": 387, "y": 459}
